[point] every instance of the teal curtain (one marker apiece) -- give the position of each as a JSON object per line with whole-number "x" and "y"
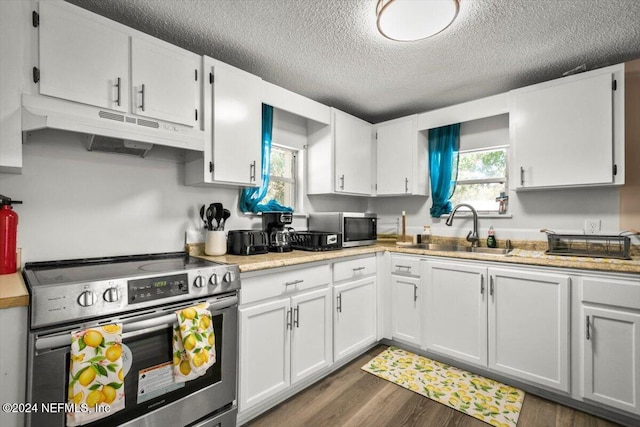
{"x": 251, "y": 197}
{"x": 444, "y": 144}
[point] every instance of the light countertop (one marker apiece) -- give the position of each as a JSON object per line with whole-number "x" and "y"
{"x": 13, "y": 291}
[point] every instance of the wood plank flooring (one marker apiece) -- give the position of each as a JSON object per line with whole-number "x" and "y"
{"x": 353, "y": 398}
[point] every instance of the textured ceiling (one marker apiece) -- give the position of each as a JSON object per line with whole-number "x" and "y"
{"x": 330, "y": 50}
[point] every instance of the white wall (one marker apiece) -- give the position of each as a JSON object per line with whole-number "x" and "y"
{"x": 80, "y": 204}
{"x": 559, "y": 210}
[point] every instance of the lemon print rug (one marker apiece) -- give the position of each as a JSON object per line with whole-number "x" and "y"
{"x": 487, "y": 400}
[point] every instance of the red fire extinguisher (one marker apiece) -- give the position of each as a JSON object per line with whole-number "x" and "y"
{"x": 8, "y": 235}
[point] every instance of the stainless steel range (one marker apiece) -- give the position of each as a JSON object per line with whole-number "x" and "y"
{"x": 142, "y": 293}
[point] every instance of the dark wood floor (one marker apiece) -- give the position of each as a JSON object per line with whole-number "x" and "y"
{"x": 352, "y": 397}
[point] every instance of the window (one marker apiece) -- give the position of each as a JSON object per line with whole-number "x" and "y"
{"x": 482, "y": 176}
{"x": 282, "y": 180}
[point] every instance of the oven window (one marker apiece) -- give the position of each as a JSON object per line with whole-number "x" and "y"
{"x": 152, "y": 353}
{"x": 356, "y": 229}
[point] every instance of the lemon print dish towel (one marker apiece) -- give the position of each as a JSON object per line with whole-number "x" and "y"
{"x": 194, "y": 349}
{"x": 96, "y": 378}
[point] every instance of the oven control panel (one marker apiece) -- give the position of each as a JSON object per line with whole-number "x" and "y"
{"x": 153, "y": 288}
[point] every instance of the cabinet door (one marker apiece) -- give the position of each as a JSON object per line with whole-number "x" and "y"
{"x": 354, "y": 316}
{"x": 394, "y": 142}
{"x": 353, "y": 160}
{"x": 164, "y": 82}
{"x": 563, "y": 134}
{"x": 529, "y": 326}
{"x": 235, "y": 124}
{"x": 456, "y": 311}
{"x": 611, "y": 348}
{"x": 406, "y": 296}
{"x": 311, "y": 333}
{"x": 264, "y": 351}
{"x": 82, "y": 58}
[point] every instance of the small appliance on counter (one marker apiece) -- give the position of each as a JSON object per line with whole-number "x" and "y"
{"x": 247, "y": 242}
{"x": 356, "y": 228}
{"x": 316, "y": 241}
{"x": 276, "y": 225}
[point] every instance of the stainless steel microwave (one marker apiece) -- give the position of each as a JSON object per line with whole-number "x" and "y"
{"x": 357, "y": 228}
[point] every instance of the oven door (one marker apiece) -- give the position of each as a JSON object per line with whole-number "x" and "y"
{"x": 148, "y": 401}
{"x": 359, "y": 230}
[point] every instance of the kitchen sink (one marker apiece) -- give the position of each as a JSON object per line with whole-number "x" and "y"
{"x": 459, "y": 248}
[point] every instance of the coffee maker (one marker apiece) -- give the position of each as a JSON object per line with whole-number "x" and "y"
{"x": 276, "y": 225}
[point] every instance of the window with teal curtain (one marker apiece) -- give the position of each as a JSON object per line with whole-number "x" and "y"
{"x": 251, "y": 198}
{"x": 444, "y": 144}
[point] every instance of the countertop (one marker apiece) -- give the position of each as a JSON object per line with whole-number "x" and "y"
{"x": 13, "y": 291}
{"x": 517, "y": 256}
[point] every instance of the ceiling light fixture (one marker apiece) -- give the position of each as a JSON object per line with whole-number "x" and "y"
{"x": 410, "y": 20}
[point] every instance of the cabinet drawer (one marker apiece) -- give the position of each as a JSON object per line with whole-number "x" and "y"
{"x": 354, "y": 269}
{"x": 265, "y": 286}
{"x": 621, "y": 293}
{"x": 406, "y": 266}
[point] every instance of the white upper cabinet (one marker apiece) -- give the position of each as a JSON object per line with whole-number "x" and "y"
{"x": 569, "y": 132}
{"x": 89, "y": 59}
{"x": 164, "y": 81}
{"x": 233, "y": 127}
{"x": 402, "y": 167}
{"x": 340, "y": 157}
{"x": 83, "y": 59}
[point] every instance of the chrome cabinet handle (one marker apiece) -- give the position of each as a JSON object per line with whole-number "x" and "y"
{"x": 406, "y": 185}
{"x": 142, "y": 99}
{"x": 252, "y": 171}
{"x": 339, "y": 307}
{"x": 521, "y": 176}
{"x": 491, "y": 285}
{"x": 357, "y": 269}
{"x": 482, "y": 285}
{"x": 415, "y": 292}
{"x": 293, "y": 282}
{"x": 297, "y": 316}
{"x": 399, "y": 267}
{"x": 118, "y": 99}
{"x": 289, "y": 316}
{"x": 588, "y": 325}
{"x": 342, "y": 182}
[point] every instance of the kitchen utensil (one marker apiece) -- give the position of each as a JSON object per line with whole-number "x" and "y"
{"x": 225, "y": 216}
{"x": 203, "y": 215}
{"x": 211, "y": 213}
{"x": 219, "y": 211}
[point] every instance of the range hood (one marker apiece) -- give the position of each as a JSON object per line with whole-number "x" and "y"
{"x": 107, "y": 130}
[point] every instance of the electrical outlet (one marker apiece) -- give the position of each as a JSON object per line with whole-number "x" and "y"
{"x": 591, "y": 226}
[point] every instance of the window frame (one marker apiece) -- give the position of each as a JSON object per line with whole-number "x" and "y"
{"x": 294, "y": 173}
{"x": 498, "y": 180}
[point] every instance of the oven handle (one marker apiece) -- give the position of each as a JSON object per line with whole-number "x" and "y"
{"x": 138, "y": 328}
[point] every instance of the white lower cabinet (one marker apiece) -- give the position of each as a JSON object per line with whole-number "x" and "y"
{"x": 406, "y": 297}
{"x": 456, "y": 311}
{"x": 286, "y": 338}
{"x": 514, "y": 321}
{"x": 611, "y": 343}
{"x": 529, "y": 326}
{"x": 354, "y": 316}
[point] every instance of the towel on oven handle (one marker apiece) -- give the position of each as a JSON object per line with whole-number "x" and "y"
{"x": 194, "y": 349}
{"x": 96, "y": 376}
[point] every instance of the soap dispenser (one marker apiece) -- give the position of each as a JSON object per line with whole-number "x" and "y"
{"x": 491, "y": 239}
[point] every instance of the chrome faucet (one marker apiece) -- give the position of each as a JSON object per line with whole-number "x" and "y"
{"x": 473, "y": 235}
